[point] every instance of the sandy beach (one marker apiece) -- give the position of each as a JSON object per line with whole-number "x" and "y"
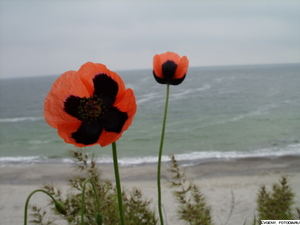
{"x": 222, "y": 182}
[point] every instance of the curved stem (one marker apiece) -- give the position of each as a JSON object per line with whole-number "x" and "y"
{"x": 160, "y": 155}
{"x": 83, "y": 198}
{"x": 28, "y": 198}
{"x": 118, "y": 183}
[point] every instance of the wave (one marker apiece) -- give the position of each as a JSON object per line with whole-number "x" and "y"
{"x": 261, "y": 110}
{"x": 192, "y": 158}
{"x": 19, "y": 119}
{"x": 147, "y": 97}
{"x": 23, "y": 159}
{"x": 204, "y": 87}
{"x": 186, "y": 92}
{"x": 38, "y": 142}
{"x": 180, "y": 94}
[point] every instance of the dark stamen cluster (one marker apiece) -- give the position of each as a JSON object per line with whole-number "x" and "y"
{"x": 91, "y": 109}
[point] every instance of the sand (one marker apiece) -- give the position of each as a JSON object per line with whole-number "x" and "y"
{"x": 223, "y": 183}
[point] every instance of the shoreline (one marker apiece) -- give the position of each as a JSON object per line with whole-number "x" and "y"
{"x": 223, "y": 183}
{"x": 187, "y": 159}
{"x": 25, "y": 173}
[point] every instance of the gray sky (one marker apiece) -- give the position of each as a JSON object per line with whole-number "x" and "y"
{"x": 51, "y": 37}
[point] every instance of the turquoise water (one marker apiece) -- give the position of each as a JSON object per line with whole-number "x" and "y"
{"x": 216, "y": 113}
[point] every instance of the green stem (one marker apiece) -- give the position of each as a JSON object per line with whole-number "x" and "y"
{"x": 28, "y": 198}
{"x": 160, "y": 155}
{"x": 118, "y": 183}
{"x": 83, "y": 198}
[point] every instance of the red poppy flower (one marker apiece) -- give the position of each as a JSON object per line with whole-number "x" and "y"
{"x": 170, "y": 68}
{"x": 90, "y": 106}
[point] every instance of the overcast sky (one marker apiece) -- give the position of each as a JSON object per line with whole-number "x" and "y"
{"x": 50, "y": 37}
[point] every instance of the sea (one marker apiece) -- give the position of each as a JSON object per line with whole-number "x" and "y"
{"x": 217, "y": 113}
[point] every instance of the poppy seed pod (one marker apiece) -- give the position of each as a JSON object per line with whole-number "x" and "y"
{"x": 90, "y": 106}
{"x": 60, "y": 207}
{"x": 170, "y": 68}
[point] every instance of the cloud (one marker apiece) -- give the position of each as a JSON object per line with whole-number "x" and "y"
{"x": 50, "y": 37}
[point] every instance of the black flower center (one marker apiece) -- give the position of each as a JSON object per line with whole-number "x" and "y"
{"x": 168, "y": 69}
{"x": 91, "y": 109}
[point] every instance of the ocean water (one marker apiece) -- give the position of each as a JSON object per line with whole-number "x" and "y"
{"x": 217, "y": 113}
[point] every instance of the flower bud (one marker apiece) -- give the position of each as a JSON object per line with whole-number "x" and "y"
{"x": 60, "y": 207}
{"x": 170, "y": 68}
{"x": 99, "y": 218}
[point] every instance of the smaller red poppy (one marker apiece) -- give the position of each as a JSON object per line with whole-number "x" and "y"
{"x": 170, "y": 68}
{"x": 90, "y": 106}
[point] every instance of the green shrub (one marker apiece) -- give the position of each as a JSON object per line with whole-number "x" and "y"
{"x": 192, "y": 205}
{"x": 275, "y": 204}
{"x": 136, "y": 209}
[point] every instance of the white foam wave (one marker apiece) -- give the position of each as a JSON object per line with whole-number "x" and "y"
{"x": 261, "y": 110}
{"x": 126, "y": 161}
{"x": 181, "y": 94}
{"x": 192, "y": 157}
{"x": 19, "y": 119}
{"x": 204, "y": 87}
{"x": 22, "y": 159}
{"x": 196, "y": 157}
{"x": 222, "y": 79}
{"x": 38, "y": 142}
{"x": 293, "y": 149}
{"x": 147, "y": 97}
{"x": 32, "y": 160}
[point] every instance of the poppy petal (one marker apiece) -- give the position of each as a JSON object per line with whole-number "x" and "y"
{"x": 170, "y": 56}
{"x": 159, "y": 79}
{"x": 157, "y": 70}
{"x": 88, "y": 133}
{"x": 89, "y": 70}
{"x": 68, "y": 84}
{"x": 126, "y": 104}
{"x": 65, "y": 132}
{"x": 114, "y": 120}
{"x": 105, "y": 88}
{"x": 177, "y": 81}
{"x": 182, "y": 68}
{"x": 71, "y": 106}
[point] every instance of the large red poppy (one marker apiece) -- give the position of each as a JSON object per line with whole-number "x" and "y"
{"x": 170, "y": 68}
{"x": 90, "y": 106}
